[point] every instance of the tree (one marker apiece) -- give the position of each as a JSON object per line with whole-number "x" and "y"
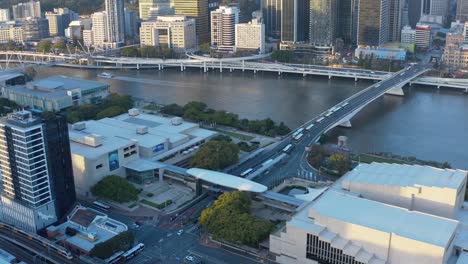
{"x": 29, "y": 73}
{"x": 110, "y": 112}
{"x": 229, "y": 218}
{"x": 44, "y": 46}
{"x": 339, "y": 163}
{"x": 216, "y": 155}
{"x": 316, "y": 156}
{"x": 59, "y": 45}
{"x": 115, "y": 188}
{"x": 205, "y": 47}
{"x": 172, "y": 109}
{"x": 129, "y": 52}
{"x": 120, "y": 242}
{"x": 123, "y": 101}
{"x": 282, "y": 55}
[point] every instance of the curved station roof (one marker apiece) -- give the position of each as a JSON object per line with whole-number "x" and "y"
{"x": 227, "y": 180}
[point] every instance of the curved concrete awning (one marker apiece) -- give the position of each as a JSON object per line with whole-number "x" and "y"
{"x": 227, "y": 180}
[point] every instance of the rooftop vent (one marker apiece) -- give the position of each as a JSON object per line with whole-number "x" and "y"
{"x": 176, "y": 121}
{"x": 79, "y": 126}
{"x": 133, "y": 112}
{"x": 142, "y": 130}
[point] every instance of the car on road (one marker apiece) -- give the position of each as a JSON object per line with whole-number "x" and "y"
{"x": 180, "y": 232}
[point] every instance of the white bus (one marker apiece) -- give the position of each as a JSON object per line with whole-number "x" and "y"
{"x": 345, "y": 104}
{"x": 329, "y": 114}
{"x": 320, "y": 119}
{"x": 309, "y": 127}
{"x": 114, "y": 258}
{"x": 299, "y": 137}
{"x": 267, "y": 162}
{"x": 288, "y": 148}
{"x": 300, "y": 130}
{"x": 337, "y": 109}
{"x": 133, "y": 252}
{"x": 101, "y": 205}
{"x": 247, "y": 172}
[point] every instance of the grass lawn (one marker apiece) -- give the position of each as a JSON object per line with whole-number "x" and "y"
{"x": 367, "y": 158}
{"x": 236, "y": 135}
{"x": 156, "y": 205}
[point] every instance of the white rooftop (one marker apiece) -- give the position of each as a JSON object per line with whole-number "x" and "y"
{"x": 383, "y": 217}
{"x": 227, "y": 180}
{"x": 406, "y": 175}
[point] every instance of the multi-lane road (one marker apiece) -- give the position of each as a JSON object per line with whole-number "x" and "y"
{"x": 295, "y": 164}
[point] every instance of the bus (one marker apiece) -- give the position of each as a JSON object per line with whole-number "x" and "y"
{"x": 247, "y": 172}
{"x": 299, "y": 137}
{"x": 133, "y": 252}
{"x": 345, "y": 104}
{"x": 309, "y": 127}
{"x": 101, "y": 205}
{"x": 320, "y": 119}
{"x": 114, "y": 258}
{"x": 288, "y": 148}
{"x": 294, "y": 135}
{"x": 300, "y": 130}
{"x": 329, "y": 114}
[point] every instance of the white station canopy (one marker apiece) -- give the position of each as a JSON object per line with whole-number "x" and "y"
{"x": 227, "y": 180}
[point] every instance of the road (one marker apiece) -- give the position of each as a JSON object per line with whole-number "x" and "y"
{"x": 296, "y": 163}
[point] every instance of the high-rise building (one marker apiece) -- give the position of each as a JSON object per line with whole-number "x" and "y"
{"x": 373, "y": 22}
{"x": 251, "y": 36}
{"x": 4, "y": 15}
{"x": 323, "y": 22}
{"x": 59, "y": 20}
{"x": 160, "y": 9}
{"x": 177, "y": 32}
{"x": 35, "y": 29}
{"x": 395, "y": 19}
{"x": 414, "y": 12}
{"x": 408, "y": 35}
{"x": 422, "y": 38}
{"x": 30, "y": 9}
{"x": 99, "y": 35}
{"x": 115, "y": 22}
{"x": 462, "y": 10}
{"x": 198, "y": 10}
{"x": 38, "y": 187}
{"x": 223, "y": 27}
{"x": 11, "y": 31}
{"x": 435, "y": 8}
{"x": 144, "y": 8}
{"x": 272, "y": 17}
{"x": 346, "y": 24}
{"x": 130, "y": 23}
{"x": 295, "y": 17}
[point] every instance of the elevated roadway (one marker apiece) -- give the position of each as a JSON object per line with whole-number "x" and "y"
{"x": 296, "y": 164}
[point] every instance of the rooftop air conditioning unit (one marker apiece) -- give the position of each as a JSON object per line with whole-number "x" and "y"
{"x": 133, "y": 112}
{"x": 142, "y": 130}
{"x": 79, "y": 126}
{"x": 176, "y": 121}
{"x": 93, "y": 140}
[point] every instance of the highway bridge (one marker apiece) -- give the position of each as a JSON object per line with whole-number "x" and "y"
{"x": 295, "y": 164}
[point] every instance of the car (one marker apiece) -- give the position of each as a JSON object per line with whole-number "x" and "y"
{"x": 180, "y": 232}
{"x": 190, "y": 258}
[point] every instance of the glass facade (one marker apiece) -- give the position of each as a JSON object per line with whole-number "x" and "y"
{"x": 373, "y": 22}
{"x": 271, "y": 10}
{"x": 295, "y": 21}
{"x": 323, "y": 22}
{"x": 197, "y": 9}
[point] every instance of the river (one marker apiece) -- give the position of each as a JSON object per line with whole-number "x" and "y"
{"x": 425, "y": 123}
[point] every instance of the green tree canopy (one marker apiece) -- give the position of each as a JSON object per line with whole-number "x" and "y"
{"x": 316, "y": 156}
{"x": 283, "y": 55}
{"x": 129, "y": 52}
{"x": 229, "y": 218}
{"x": 339, "y": 162}
{"x": 216, "y": 155}
{"x": 44, "y": 46}
{"x": 111, "y": 111}
{"x": 115, "y": 188}
{"x": 59, "y": 45}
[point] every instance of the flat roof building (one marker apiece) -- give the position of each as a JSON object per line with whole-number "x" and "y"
{"x": 56, "y": 93}
{"x": 113, "y": 145}
{"x": 417, "y": 188}
{"x": 351, "y": 226}
{"x": 177, "y": 32}
{"x": 251, "y": 36}
{"x": 90, "y": 227}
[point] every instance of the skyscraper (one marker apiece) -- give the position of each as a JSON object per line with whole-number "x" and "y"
{"x": 462, "y": 10}
{"x": 223, "y": 25}
{"x": 395, "y": 19}
{"x": 144, "y": 7}
{"x": 435, "y": 8}
{"x": 372, "y": 27}
{"x": 115, "y": 22}
{"x": 346, "y": 21}
{"x": 130, "y": 23}
{"x": 272, "y": 17}
{"x": 198, "y": 10}
{"x": 414, "y": 11}
{"x": 323, "y": 22}
{"x": 35, "y": 162}
{"x": 30, "y": 9}
{"x": 99, "y": 32}
{"x": 4, "y": 15}
{"x": 59, "y": 20}
{"x": 295, "y": 16}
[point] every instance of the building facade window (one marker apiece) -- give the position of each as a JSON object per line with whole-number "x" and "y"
{"x": 324, "y": 253}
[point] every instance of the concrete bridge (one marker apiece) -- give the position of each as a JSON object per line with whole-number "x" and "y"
{"x": 339, "y": 115}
